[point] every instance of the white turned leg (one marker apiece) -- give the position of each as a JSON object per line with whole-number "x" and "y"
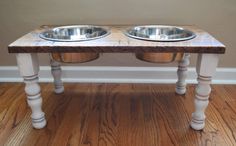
{"x": 206, "y": 66}
{"x": 29, "y": 68}
{"x": 56, "y": 73}
{"x": 182, "y": 74}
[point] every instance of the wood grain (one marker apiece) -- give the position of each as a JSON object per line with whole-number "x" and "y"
{"x": 117, "y": 42}
{"x": 117, "y": 115}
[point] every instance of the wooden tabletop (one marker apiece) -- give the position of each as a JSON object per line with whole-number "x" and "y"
{"x": 117, "y": 42}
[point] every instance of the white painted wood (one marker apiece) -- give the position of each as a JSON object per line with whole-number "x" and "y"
{"x": 56, "y": 73}
{"x": 182, "y": 74}
{"x": 111, "y": 74}
{"x": 29, "y": 68}
{"x": 206, "y": 66}
{"x": 27, "y": 63}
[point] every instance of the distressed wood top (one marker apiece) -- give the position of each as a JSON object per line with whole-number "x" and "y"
{"x": 117, "y": 42}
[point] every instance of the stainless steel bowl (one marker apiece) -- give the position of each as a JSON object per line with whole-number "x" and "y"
{"x": 74, "y": 33}
{"x": 159, "y": 57}
{"x": 74, "y": 57}
{"x": 159, "y": 33}
{"x": 71, "y": 34}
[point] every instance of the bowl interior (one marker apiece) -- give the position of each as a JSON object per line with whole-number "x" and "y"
{"x": 160, "y": 33}
{"x": 75, "y": 33}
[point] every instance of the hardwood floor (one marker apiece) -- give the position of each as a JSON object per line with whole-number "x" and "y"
{"x": 117, "y": 115}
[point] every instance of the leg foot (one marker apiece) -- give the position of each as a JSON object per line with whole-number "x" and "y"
{"x": 40, "y": 124}
{"x": 197, "y": 126}
{"x": 59, "y": 90}
{"x": 180, "y": 91}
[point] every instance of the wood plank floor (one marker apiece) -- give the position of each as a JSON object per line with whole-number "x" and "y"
{"x": 117, "y": 115}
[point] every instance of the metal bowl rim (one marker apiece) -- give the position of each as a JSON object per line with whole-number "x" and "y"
{"x": 106, "y": 28}
{"x": 193, "y": 35}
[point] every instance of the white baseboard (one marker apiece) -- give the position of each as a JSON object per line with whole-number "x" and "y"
{"x": 102, "y": 74}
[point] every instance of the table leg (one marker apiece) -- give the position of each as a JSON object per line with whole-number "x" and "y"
{"x": 182, "y": 74}
{"x": 206, "y": 66}
{"x": 56, "y": 73}
{"x": 29, "y": 68}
